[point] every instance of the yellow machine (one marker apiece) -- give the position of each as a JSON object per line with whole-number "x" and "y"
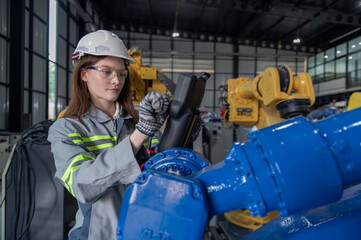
{"x": 144, "y": 79}
{"x": 354, "y": 101}
{"x": 271, "y": 97}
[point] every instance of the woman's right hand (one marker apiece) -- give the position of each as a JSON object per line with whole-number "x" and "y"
{"x": 154, "y": 109}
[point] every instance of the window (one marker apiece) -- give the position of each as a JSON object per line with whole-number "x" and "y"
{"x": 354, "y": 45}
{"x": 354, "y": 69}
{"x": 311, "y": 61}
{"x": 319, "y": 74}
{"x": 341, "y": 67}
{"x": 330, "y": 54}
{"x": 330, "y": 71}
{"x": 320, "y": 58}
{"x": 341, "y": 50}
{"x": 312, "y": 72}
{"x": 4, "y": 63}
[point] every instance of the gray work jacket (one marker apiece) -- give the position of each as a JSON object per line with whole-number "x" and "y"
{"x": 95, "y": 166}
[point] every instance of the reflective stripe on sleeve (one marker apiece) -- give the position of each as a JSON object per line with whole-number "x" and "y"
{"x": 101, "y": 146}
{"x": 92, "y": 138}
{"x": 73, "y": 166}
{"x": 93, "y": 143}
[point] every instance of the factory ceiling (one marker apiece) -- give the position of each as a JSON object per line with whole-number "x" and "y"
{"x": 305, "y": 25}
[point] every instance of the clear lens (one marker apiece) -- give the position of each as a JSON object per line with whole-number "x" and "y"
{"x": 109, "y": 73}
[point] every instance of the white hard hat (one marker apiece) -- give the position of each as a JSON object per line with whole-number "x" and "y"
{"x": 101, "y": 43}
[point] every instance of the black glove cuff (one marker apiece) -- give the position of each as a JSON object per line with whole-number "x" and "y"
{"x": 144, "y": 131}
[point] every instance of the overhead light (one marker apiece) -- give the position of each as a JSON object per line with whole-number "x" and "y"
{"x": 296, "y": 40}
{"x": 353, "y": 46}
{"x": 326, "y": 56}
{"x": 175, "y": 32}
{"x": 338, "y": 52}
{"x": 350, "y": 57}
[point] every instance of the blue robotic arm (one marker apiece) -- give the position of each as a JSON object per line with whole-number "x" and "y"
{"x": 289, "y": 167}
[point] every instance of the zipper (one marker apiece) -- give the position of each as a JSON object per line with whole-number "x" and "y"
{"x": 115, "y": 125}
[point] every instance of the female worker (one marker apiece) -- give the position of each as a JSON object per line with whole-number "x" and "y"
{"x": 95, "y": 142}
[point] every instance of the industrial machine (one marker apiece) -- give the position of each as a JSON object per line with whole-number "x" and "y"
{"x": 146, "y": 79}
{"x": 354, "y": 101}
{"x": 272, "y": 97}
{"x": 290, "y": 167}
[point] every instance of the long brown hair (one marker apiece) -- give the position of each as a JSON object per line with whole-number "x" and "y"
{"x": 79, "y": 102}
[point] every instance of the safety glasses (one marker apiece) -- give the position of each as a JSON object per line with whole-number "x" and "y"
{"x": 109, "y": 73}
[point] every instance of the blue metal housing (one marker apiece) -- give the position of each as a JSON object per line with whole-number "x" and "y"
{"x": 340, "y": 220}
{"x": 289, "y": 167}
{"x": 182, "y": 161}
{"x": 163, "y": 206}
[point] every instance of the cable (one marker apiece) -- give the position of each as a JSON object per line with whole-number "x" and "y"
{"x": 18, "y": 194}
{"x": 32, "y": 197}
{"x": 38, "y": 133}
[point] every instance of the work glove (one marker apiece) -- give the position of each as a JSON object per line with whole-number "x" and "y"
{"x": 153, "y": 111}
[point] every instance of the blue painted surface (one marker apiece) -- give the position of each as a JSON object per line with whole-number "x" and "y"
{"x": 289, "y": 167}
{"x": 340, "y": 220}
{"x": 231, "y": 184}
{"x": 181, "y": 160}
{"x": 163, "y": 206}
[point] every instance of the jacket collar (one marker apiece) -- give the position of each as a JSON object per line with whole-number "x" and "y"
{"x": 99, "y": 116}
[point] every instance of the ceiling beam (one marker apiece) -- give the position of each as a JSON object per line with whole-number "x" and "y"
{"x": 228, "y": 11}
{"x": 125, "y": 10}
{"x": 271, "y": 27}
{"x": 250, "y": 24}
{"x": 201, "y": 15}
{"x": 287, "y": 10}
{"x": 255, "y": 18}
{"x": 289, "y": 34}
{"x": 151, "y": 14}
{"x": 313, "y": 36}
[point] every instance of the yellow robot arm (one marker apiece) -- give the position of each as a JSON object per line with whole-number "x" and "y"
{"x": 271, "y": 97}
{"x": 354, "y": 101}
{"x": 143, "y": 79}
